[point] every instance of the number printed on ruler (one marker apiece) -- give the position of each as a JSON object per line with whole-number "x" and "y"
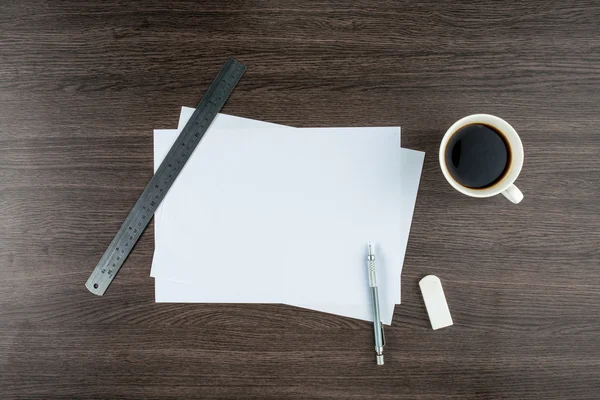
{"x": 139, "y": 216}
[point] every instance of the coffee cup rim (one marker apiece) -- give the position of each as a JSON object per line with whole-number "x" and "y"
{"x": 516, "y": 149}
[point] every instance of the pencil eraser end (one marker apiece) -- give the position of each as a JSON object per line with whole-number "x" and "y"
{"x": 435, "y": 302}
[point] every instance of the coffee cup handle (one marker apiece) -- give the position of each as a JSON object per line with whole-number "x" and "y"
{"x": 513, "y": 194}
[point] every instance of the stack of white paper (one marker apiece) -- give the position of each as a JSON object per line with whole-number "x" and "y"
{"x": 264, "y": 213}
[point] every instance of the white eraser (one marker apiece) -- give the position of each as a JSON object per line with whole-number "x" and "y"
{"x": 435, "y": 302}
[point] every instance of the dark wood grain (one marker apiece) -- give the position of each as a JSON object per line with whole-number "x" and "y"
{"x": 83, "y": 83}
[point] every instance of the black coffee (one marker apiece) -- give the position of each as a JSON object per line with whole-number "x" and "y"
{"x": 477, "y": 156}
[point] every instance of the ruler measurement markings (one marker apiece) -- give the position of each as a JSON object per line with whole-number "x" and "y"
{"x": 167, "y": 172}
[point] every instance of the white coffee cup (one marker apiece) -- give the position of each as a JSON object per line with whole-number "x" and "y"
{"x": 506, "y": 183}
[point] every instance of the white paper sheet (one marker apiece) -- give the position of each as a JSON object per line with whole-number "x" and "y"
{"x": 328, "y": 278}
{"x": 177, "y": 292}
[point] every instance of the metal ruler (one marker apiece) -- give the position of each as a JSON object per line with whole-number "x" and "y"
{"x": 159, "y": 185}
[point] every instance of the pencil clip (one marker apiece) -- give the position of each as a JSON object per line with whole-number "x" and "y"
{"x": 382, "y": 333}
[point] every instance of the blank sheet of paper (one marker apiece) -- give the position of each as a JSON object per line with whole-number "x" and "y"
{"x": 258, "y": 281}
{"x": 171, "y": 291}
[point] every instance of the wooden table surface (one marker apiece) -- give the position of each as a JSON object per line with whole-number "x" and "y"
{"x": 84, "y": 83}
